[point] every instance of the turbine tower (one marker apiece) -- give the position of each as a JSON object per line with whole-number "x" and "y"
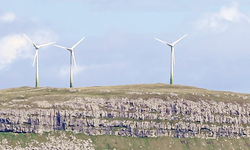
{"x": 172, "y": 57}
{"x": 72, "y": 58}
{"x": 36, "y": 56}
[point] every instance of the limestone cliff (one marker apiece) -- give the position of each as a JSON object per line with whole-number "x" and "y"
{"x": 136, "y": 110}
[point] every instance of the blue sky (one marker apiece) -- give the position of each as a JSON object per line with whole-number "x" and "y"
{"x": 119, "y": 46}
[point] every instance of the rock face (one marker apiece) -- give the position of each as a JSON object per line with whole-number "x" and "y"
{"x": 152, "y": 117}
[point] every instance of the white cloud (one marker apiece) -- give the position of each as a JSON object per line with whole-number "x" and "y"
{"x": 13, "y": 47}
{"x": 232, "y": 14}
{"x": 8, "y": 17}
{"x": 221, "y": 20}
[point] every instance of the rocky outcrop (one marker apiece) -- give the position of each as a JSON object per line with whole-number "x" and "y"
{"x": 152, "y": 117}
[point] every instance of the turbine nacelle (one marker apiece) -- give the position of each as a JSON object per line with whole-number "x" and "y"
{"x": 171, "y": 44}
{"x": 37, "y": 46}
{"x": 71, "y": 49}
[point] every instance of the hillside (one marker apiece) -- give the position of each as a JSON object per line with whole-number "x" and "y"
{"x": 124, "y": 117}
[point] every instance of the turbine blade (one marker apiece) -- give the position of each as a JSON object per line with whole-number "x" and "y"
{"x": 35, "y": 58}
{"x": 30, "y": 41}
{"x": 163, "y": 42}
{"x": 77, "y": 43}
{"x": 74, "y": 59}
{"x": 45, "y": 44}
{"x": 61, "y": 46}
{"x": 179, "y": 39}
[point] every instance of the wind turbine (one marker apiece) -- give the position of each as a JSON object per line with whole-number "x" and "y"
{"x": 36, "y": 56}
{"x": 172, "y": 57}
{"x": 72, "y": 58}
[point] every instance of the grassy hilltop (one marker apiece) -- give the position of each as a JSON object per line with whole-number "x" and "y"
{"x": 27, "y": 95}
{"x": 46, "y": 97}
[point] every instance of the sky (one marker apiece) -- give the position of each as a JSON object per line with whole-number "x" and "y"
{"x": 119, "y": 46}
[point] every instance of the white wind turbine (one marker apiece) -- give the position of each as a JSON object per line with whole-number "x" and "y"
{"x": 36, "y": 56}
{"x": 172, "y": 56}
{"x": 72, "y": 58}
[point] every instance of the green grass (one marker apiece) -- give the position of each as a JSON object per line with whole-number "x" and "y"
{"x": 14, "y": 138}
{"x": 129, "y": 143}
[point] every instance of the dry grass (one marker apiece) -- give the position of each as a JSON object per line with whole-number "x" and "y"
{"x": 23, "y": 97}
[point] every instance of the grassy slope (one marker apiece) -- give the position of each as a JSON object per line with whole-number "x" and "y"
{"x": 125, "y": 143}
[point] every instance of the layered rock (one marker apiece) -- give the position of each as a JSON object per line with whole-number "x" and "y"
{"x": 152, "y": 117}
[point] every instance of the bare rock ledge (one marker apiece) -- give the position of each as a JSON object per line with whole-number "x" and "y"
{"x": 152, "y": 117}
